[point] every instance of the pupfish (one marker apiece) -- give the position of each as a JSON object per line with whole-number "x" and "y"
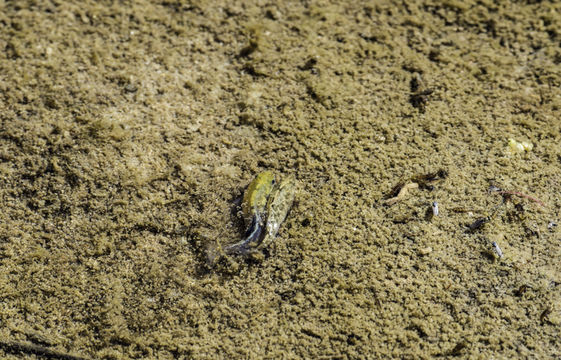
{"x": 265, "y": 205}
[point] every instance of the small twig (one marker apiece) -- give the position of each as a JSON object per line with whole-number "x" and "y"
{"x": 402, "y": 192}
{"x": 479, "y": 223}
{"x": 41, "y": 351}
{"x": 517, "y": 193}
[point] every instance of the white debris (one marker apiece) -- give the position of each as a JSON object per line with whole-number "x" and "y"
{"x": 434, "y": 208}
{"x": 497, "y": 249}
{"x": 516, "y": 147}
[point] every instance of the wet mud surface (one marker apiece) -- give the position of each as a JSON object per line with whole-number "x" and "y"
{"x": 129, "y": 130}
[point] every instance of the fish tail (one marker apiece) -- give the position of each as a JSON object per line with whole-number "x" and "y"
{"x": 251, "y": 237}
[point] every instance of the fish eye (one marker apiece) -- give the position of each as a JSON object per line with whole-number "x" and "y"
{"x": 273, "y": 182}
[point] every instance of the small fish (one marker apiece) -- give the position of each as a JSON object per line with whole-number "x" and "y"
{"x": 254, "y": 208}
{"x": 257, "y": 194}
{"x": 264, "y": 207}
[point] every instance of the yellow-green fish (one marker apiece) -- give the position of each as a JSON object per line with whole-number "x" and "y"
{"x": 265, "y": 206}
{"x": 254, "y": 204}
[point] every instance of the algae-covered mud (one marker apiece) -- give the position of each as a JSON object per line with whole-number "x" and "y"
{"x": 130, "y": 130}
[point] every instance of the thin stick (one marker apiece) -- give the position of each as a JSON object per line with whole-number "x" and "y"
{"x": 517, "y": 193}
{"x": 17, "y": 347}
{"x": 402, "y": 192}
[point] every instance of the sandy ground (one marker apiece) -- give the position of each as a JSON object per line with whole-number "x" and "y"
{"x": 129, "y": 129}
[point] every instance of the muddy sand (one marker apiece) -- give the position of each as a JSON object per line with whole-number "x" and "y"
{"x": 128, "y": 130}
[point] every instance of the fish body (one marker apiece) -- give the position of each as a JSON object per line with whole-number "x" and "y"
{"x": 265, "y": 206}
{"x": 256, "y": 196}
{"x": 280, "y": 203}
